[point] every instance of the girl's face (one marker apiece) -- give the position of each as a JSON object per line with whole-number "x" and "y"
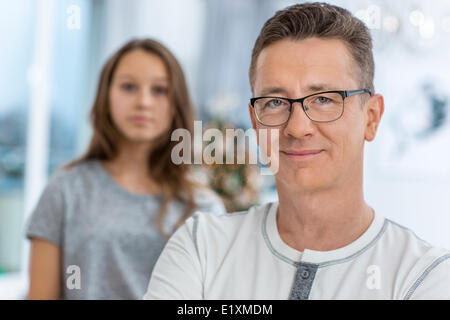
{"x": 139, "y": 99}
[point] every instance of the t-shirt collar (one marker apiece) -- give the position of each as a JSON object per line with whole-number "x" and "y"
{"x": 293, "y": 256}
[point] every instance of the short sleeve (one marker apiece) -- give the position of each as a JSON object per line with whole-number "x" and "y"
{"x": 434, "y": 282}
{"x": 46, "y": 221}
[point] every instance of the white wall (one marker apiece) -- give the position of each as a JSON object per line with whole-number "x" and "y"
{"x": 177, "y": 24}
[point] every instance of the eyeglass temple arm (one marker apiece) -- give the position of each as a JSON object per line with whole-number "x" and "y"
{"x": 350, "y": 93}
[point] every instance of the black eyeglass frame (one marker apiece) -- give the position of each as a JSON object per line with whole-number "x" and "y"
{"x": 344, "y": 94}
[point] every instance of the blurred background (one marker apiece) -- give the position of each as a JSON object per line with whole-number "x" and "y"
{"x": 53, "y": 51}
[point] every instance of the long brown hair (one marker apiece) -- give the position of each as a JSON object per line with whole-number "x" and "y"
{"x": 173, "y": 179}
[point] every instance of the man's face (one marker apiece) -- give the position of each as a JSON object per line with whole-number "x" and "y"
{"x": 314, "y": 156}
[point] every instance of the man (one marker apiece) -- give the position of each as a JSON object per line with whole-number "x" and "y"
{"x": 321, "y": 240}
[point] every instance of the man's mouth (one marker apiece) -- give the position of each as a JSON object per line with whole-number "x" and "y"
{"x": 301, "y": 154}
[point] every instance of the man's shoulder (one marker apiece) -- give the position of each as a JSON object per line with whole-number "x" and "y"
{"x": 409, "y": 244}
{"x": 229, "y": 220}
{"x": 428, "y": 266}
{"x": 430, "y": 277}
{"x": 226, "y": 226}
{"x": 405, "y": 238}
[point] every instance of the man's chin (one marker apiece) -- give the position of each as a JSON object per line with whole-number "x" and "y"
{"x": 303, "y": 182}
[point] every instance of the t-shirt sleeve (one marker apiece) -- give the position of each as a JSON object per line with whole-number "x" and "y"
{"x": 46, "y": 221}
{"x": 177, "y": 274}
{"x": 434, "y": 282}
{"x": 209, "y": 201}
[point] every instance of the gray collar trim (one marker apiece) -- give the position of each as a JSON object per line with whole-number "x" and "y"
{"x": 322, "y": 264}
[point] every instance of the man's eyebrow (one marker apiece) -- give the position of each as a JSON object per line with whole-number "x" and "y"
{"x": 319, "y": 87}
{"x": 309, "y": 89}
{"x": 273, "y": 90}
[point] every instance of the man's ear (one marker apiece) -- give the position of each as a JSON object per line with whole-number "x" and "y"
{"x": 374, "y": 111}
{"x": 253, "y": 120}
{"x": 252, "y": 116}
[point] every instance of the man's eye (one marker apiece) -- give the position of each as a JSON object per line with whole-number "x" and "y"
{"x": 275, "y": 103}
{"x": 322, "y": 100}
{"x": 128, "y": 86}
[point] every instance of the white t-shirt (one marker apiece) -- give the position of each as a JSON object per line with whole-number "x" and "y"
{"x": 242, "y": 256}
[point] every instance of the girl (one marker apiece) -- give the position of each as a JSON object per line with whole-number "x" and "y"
{"x": 103, "y": 220}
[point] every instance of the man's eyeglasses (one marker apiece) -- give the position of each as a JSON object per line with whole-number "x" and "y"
{"x": 325, "y": 106}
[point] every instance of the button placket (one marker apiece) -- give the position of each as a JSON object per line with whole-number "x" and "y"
{"x": 303, "y": 281}
{"x": 305, "y": 274}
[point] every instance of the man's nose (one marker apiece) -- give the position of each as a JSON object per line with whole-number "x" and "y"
{"x": 299, "y": 125}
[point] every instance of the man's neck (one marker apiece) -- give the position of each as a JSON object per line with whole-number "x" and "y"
{"x": 322, "y": 220}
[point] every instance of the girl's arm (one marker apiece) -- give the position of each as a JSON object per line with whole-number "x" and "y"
{"x": 45, "y": 270}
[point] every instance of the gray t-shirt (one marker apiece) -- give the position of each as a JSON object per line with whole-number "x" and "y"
{"x": 107, "y": 232}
